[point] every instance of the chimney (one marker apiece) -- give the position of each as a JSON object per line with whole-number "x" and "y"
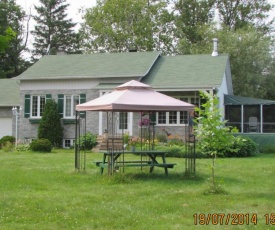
{"x": 215, "y": 48}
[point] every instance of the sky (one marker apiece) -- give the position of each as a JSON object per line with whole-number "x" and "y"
{"x": 73, "y": 13}
{"x": 75, "y": 5}
{"x": 73, "y": 9}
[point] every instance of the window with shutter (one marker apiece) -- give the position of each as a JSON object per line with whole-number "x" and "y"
{"x": 82, "y": 100}
{"x": 27, "y": 106}
{"x": 60, "y": 102}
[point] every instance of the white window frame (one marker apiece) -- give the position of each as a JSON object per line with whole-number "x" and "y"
{"x": 167, "y": 117}
{"x": 100, "y": 120}
{"x": 39, "y": 112}
{"x": 72, "y": 105}
{"x": 71, "y": 143}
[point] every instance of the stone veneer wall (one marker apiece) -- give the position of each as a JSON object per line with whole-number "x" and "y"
{"x": 30, "y": 131}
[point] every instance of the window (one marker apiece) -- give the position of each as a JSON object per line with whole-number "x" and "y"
{"x": 123, "y": 120}
{"x": 70, "y": 101}
{"x": 162, "y": 117}
{"x": 168, "y": 118}
{"x": 174, "y": 117}
{"x": 183, "y": 117}
{"x": 68, "y": 143}
{"x": 37, "y": 106}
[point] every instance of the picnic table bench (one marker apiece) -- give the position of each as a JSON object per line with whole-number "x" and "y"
{"x": 112, "y": 161}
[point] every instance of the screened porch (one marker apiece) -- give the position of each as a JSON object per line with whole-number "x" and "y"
{"x": 250, "y": 115}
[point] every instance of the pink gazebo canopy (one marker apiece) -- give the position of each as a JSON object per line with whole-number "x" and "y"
{"x": 134, "y": 96}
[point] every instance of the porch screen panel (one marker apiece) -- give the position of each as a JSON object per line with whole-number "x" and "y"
{"x": 251, "y": 111}
{"x": 268, "y": 118}
{"x": 233, "y": 115}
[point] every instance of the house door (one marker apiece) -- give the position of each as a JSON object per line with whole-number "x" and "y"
{"x": 124, "y": 124}
{"x": 124, "y": 120}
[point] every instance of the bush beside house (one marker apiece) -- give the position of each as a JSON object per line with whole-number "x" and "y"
{"x": 50, "y": 125}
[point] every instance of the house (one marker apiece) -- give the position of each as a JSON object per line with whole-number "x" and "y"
{"x": 74, "y": 79}
{"x": 9, "y": 98}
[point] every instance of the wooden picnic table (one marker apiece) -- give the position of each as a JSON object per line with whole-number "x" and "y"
{"x": 113, "y": 160}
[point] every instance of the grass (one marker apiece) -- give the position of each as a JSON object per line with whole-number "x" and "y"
{"x": 43, "y": 191}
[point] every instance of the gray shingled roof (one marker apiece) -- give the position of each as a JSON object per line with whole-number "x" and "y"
{"x": 100, "y": 65}
{"x": 9, "y": 92}
{"x": 187, "y": 71}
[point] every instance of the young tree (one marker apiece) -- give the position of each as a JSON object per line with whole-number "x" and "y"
{"x": 13, "y": 17}
{"x": 53, "y": 32}
{"x": 50, "y": 125}
{"x": 213, "y": 135}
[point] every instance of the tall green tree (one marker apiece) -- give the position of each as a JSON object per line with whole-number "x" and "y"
{"x": 250, "y": 56}
{"x": 269, "y": 80}
{"x": 187, "y": 27}
{"x": 53, "y": 31}
{"x": 5, "y": 39}
{"x": 13, "y": 16}
{"x": 117, "y": 26}
{"x": 192, "y": 19}
{"x": 50, "y": 125}
{"x": 237, "y": 14}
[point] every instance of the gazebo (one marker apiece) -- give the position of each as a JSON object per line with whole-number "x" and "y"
{"x": 133, "y": 96}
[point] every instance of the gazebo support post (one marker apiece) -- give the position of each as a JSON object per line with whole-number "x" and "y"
{"x": 76, "y": 147}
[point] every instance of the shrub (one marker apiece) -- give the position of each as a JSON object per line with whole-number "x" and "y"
{"x": 175, "y": 151}
{"x": 172, "y": 151}
{"x": 7, "y": 147}
{"x": 6, "y": 139}
{"x": 175, "y": 140}
{"x": 41, "y": 145}
{"x": 50, "y": 125}
{"x": 22, "y": 147}
{"x": 268, "y": 149}
{"x": 87, "y": 141}
{"x": 126, "y": 138}
{"x": 162, "y": 138}
{"x": 242, "y": 147}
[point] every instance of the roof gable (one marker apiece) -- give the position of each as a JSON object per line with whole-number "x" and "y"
{"x": 186, "y": 71}
{"x": 9, "y": 92}
{"x": 99, "y": 65}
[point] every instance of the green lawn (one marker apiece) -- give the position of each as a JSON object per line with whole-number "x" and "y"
{"x": 43, "y": 191}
